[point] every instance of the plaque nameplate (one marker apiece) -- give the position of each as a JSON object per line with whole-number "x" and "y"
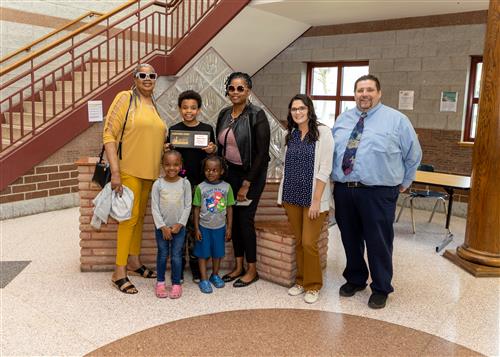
{"x": 189, "y": 139}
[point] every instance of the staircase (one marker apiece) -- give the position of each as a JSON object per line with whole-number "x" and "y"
{"x": 52, "y": 102}
{"x": 49, "y": 110}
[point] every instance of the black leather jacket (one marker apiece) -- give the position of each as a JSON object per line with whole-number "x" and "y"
{"x": 252, "y": 133}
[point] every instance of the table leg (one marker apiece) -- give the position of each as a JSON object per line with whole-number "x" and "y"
{"x": 449, "y": 236}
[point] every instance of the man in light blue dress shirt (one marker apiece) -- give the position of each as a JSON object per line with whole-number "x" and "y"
{"x": 384, "y": 164}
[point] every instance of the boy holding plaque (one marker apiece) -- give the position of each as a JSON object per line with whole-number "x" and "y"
{"x": 195, "y": 141}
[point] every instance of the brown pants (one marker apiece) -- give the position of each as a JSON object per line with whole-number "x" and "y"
{"x": 306, "y": 233}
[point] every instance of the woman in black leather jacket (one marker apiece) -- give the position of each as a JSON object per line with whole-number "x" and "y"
{"x": 243, "y": 136}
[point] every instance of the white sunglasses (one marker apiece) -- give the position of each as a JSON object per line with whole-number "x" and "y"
{"x": 144, "y": 75}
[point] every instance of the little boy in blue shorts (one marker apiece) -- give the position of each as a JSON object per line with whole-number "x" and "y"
{"x": 212, "y": 218}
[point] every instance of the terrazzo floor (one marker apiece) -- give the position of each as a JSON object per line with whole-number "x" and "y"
{"x": 51, "y": 308}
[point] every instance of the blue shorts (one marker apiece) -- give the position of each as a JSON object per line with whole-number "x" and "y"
{"x": 212, "y": 243}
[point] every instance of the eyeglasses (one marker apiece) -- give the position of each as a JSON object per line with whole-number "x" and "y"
{"x": 144, "y": 75}
{"x": 298, "y": 110}
{"x": 239, "y": 89}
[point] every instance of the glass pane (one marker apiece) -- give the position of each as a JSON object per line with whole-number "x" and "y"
{"x": 473, "y": 124}
{"x": 324, "y": 81}
{"x": 325, "y": 110}
{"x": 477, "y": 85}
{"x": 349, "y": 76}
{"x": 347, "y": 105}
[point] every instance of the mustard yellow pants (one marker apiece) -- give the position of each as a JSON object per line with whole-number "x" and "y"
{"x": 306, "y": 232}
{"x": 130, "y": 231}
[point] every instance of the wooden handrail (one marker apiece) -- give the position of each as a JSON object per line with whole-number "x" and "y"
{"x": 79, "y": 31}
{"x": 67, "y": 37}
{"x": 50, "y": 34}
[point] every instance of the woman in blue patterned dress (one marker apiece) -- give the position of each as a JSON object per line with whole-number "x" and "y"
{"x": 305, "y": 191}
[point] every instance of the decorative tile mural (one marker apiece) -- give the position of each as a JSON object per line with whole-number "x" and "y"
{"x": 207, "y": 77}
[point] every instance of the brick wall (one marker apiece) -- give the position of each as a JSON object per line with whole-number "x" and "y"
{"x": 275, "y": 241}
{"x": 58, "y": 174}
{"x": 441, "y": 149}
{"x": 42, "y": 181}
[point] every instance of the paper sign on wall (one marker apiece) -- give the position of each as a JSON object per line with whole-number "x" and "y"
{"x": 448, "y": 101}
{"x": 95, "y": 110}
{"x": 406, "y": 98}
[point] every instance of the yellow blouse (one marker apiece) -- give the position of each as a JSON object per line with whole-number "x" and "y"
{"x": 145, "y": 132}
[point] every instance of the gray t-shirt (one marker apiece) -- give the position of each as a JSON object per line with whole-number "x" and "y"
{"x": 213, "y": 199}
{"x": 170, "y": 202}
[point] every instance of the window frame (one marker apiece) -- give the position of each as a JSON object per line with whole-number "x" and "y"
{"x": 337, "y": 98}
{"x": 471, "y": 100}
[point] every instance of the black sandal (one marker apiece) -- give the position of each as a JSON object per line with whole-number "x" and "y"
{"x": 228, "y": 278}
{"x": 144, "y": 272}
{"x": 125, "y": 286}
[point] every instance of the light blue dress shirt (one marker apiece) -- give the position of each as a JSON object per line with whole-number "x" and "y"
{"x": 388, "y": 153}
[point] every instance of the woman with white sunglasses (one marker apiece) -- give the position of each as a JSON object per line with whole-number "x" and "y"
{"x": 133, "y": 138}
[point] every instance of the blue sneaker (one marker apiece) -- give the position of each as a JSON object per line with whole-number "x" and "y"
{"x": 205, "y": 287}
{"x": 217, "y": 281}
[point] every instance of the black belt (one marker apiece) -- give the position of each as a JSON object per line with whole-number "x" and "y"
{"x": 357, "y": 184}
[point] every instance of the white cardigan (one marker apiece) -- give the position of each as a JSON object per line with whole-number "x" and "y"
{"x": 323, "y": 159}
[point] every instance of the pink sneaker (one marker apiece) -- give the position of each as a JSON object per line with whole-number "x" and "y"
{"x": 161, "y": 290}
{"x": 176, "y": 291}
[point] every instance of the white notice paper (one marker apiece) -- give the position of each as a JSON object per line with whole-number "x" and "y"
{"x": 95, "y": 110}
{"x": 200, "y": 140}
{"x": 406, "y": 99}
{"x": 448, "y": 101}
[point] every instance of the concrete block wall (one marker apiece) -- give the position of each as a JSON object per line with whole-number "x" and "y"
{"x": 426, "y": 60}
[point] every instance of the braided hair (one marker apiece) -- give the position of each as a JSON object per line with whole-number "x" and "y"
{"x": 234, "y": 75}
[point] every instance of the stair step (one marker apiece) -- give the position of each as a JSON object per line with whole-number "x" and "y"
{"x": 276, "y": 218}
{"x": 68, "y": 86}
{"x": 16, "y": 131}
{"x": 49, "y": 110}
{"x": 271, "y": 211}
{"x": 104, "y": 68}
{"x": 85, "y": 76}
{"x": 48, "y": 96}
{"x": 15, "y": 118}
{"x": 269, "y": 195}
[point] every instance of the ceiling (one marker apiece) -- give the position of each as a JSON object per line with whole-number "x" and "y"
{"x": 334, "y": 12}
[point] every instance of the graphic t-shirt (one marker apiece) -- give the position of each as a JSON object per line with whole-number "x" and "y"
{"x": 213, "y": 199}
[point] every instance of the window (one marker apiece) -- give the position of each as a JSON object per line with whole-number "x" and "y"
{"x": 471, "y": 112}
{"x": 331, "y": 87}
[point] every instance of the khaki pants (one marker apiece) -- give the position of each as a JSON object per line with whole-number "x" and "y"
{"x": 306, "y": 233}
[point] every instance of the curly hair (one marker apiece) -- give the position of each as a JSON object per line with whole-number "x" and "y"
{"x": 189, "y": 94}
{"x": 215, "y": 158}
{"x": 241, "y": 75}
{"x": 313, "y": 133}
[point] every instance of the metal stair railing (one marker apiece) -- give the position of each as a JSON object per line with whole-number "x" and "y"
{"x": 78, "y": 69}
{"x": 44, "y": 38}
